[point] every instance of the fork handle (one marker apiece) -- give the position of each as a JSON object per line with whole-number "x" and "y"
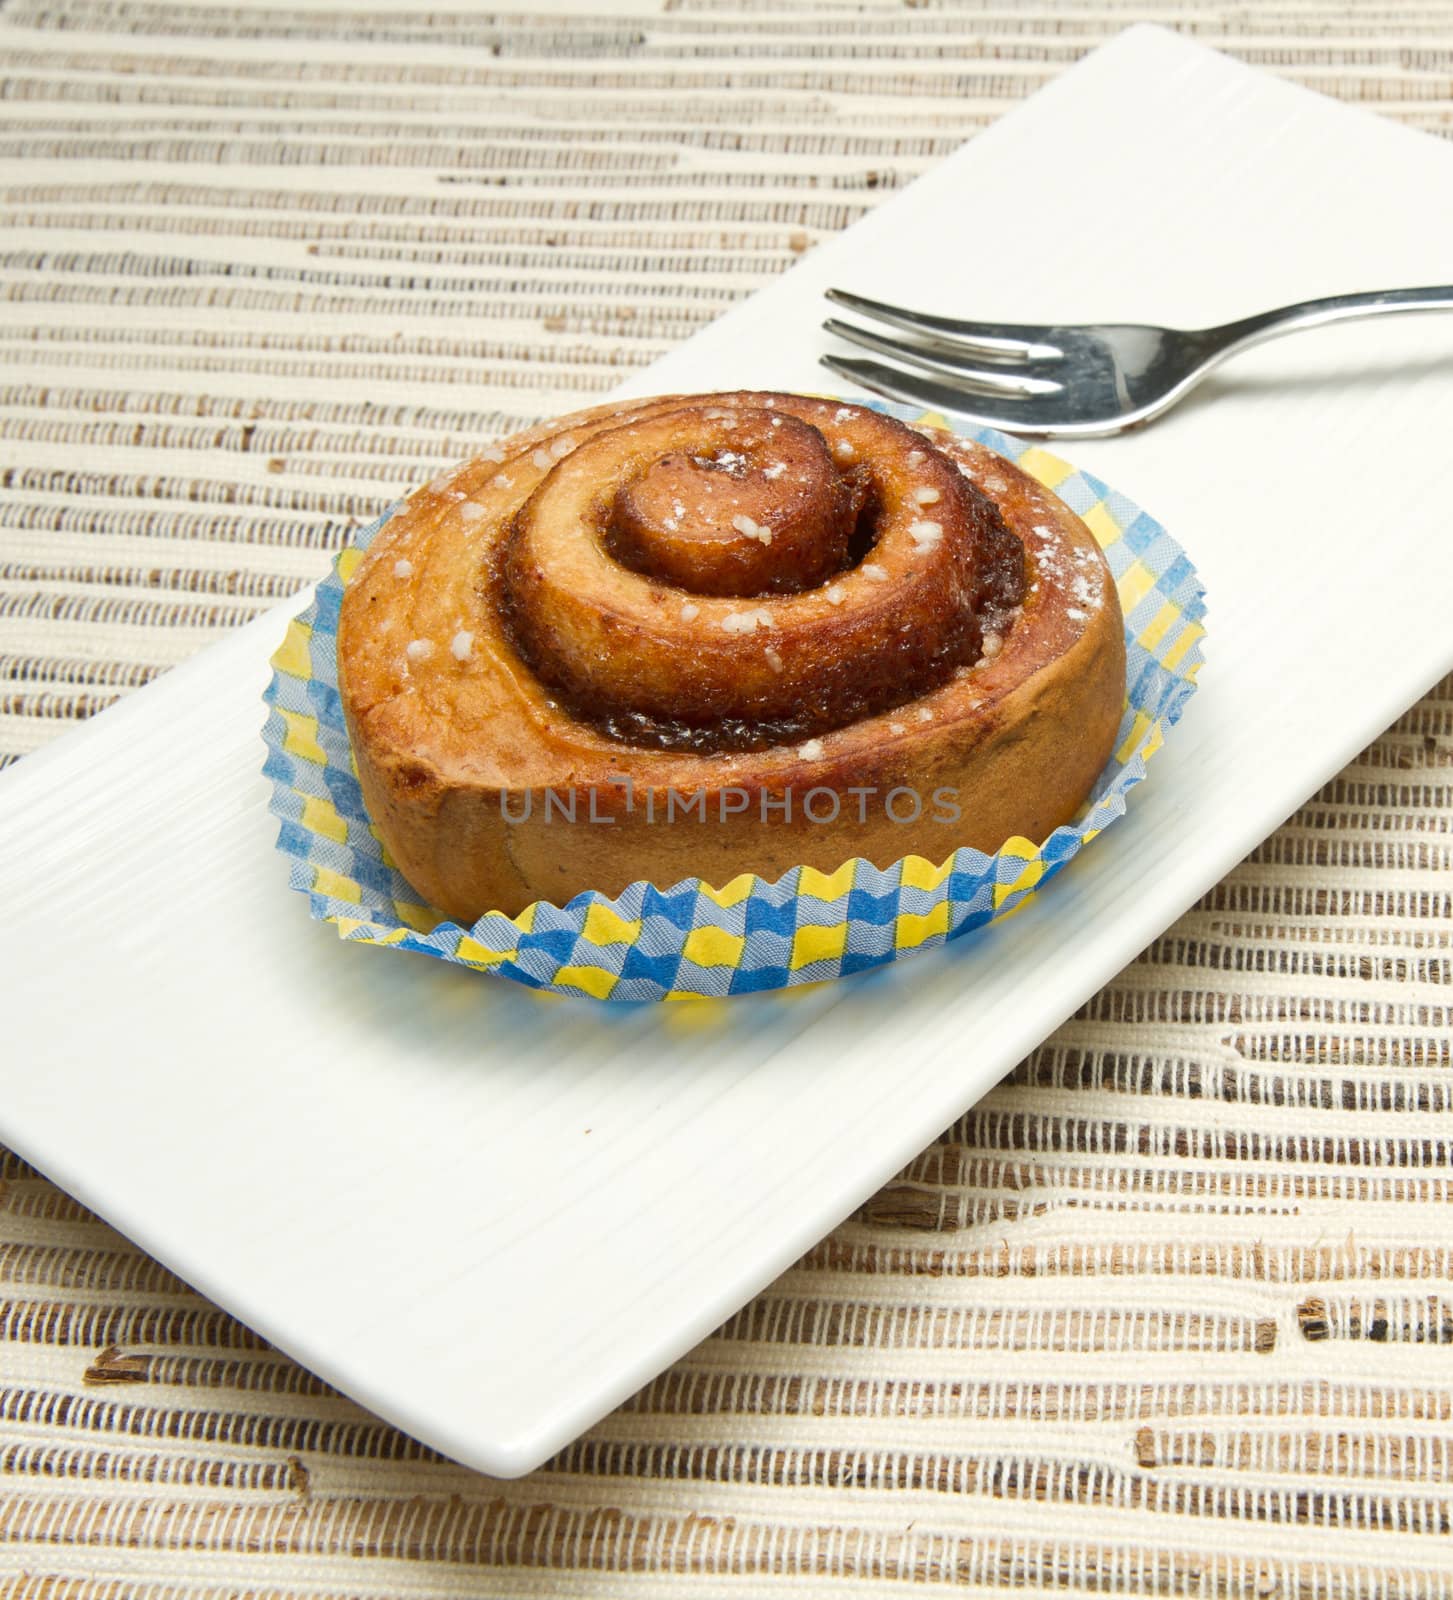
{"x": 1332, "y": 308}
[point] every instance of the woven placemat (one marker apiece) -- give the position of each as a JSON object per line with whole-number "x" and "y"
{"x": 1169, "y": 1312}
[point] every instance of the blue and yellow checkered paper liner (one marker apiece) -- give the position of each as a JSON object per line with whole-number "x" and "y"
{"x": 694, "y": 939}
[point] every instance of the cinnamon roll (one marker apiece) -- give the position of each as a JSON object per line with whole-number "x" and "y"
{"x": 699, "y": 636}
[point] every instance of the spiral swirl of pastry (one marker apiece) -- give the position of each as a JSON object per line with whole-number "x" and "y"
{"x": 743, "y": 598}
{"x": 731, "y": 574}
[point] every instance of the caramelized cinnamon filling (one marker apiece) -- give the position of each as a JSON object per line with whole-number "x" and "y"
{"x": 740, "y": 575}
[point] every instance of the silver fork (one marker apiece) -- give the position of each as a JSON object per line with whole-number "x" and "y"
{"x": 1088, "y": 379}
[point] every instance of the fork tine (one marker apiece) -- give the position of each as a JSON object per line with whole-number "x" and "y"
{"x": 1007, "y": 380}
{"x": 1008, "y": 341}
{"x": 1014, "y": 415}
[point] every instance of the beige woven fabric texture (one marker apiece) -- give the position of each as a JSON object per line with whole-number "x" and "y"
{"x": 1170, "y": 1312}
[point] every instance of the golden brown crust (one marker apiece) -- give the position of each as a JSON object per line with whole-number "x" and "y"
{"x": 460, "y": 712}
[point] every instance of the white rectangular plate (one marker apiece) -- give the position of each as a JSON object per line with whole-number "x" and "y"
{"x": 489, "y": 1216}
